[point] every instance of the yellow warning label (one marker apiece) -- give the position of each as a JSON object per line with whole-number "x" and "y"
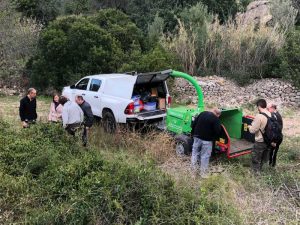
{"x": 245, "y": 126}
{"x": 222, "y": 140}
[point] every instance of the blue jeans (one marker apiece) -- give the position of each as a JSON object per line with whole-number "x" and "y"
{"x": 201, "y": 154}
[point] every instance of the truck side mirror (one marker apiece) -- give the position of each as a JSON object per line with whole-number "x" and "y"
{"x": 72, "y": 86}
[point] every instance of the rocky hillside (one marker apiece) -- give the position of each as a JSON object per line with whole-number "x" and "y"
{"x": 225, "y": 93}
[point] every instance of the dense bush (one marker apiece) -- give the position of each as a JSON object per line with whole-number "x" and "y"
{"x": 70, "y": 48}
{"x": 75, "y": 46}
{"x": 289, "y": 59}
{"x": 47, "y": 178}
{"x": 43, "y": 11}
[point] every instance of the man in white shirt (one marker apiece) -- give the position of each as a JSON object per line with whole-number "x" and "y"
{"x": 72, "y": 115}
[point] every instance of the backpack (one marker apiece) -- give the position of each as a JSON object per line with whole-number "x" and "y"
{"x": 272, "y": 132}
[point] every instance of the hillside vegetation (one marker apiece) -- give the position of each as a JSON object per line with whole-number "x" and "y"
{"x": 46, "y": 177}
{"x": 56, "y": 42}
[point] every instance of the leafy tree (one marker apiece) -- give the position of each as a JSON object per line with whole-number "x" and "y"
{"x": 41, "y": 10}
{"x": 290, "y": 58}
{"x": 70, "y": 48}
{"x": 120, "y": 26}
{"x": 155, "y": 60}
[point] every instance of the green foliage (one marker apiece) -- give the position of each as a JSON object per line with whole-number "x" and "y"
{"x": 74, "y": 46}
{"x": 225, "y": 9}
{"x": 47, "y": 178}
{"x": 120, "y": 27}
{"x": 144, "y": 12}
{"x": 18, "y": 41}
{"x": 289, "y": 59}
{"x": 155, "y": 60}
{"x": 197, "y": 18}
{"x": 43, "y": 11}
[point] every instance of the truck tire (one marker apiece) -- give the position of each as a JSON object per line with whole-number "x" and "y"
{"x": 109, "y": 122}
{"x": 184, "y": 145}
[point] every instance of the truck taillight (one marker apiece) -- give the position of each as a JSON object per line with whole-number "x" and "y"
{"x": 169, "y": 101}
{"x": 129, "y": 109}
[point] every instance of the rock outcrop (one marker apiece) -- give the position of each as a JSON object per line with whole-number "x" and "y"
{"x": 258, "y": 13}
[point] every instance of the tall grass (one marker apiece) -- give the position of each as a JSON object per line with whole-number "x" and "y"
{"x": 46, "y": 177}
{"x": 231, "y": 49}
{"x": 158, "y": 146}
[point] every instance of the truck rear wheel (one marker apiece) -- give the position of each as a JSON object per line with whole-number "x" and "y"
{"x": 109, "y": 122}
{"x": 183, "y": 144}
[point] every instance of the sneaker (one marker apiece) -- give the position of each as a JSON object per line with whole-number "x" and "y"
{"x": 204, "y": 176}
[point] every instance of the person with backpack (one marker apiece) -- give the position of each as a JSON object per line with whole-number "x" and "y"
{"x": 266, "y": 129}
{"x": 205, "y": 130}
{"x": 272, "y": 108}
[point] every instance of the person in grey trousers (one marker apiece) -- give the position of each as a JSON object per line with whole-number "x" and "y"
{"x": 205, "y": 130}
{"x": 72, "y": 115}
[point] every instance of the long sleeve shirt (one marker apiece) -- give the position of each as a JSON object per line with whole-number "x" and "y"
{"x": 55, "y": 113}
{"x": 258, "y": 126}
{"x": 88, "y": 114}
{"x": 27, "y": 109}
{"x": 207, "y": 126}
{"x": 71, "y": 113}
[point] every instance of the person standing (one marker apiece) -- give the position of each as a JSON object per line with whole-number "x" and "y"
{"x": 205, "y": 130}
{"x": 88, "y": 117}
{"x": 261, "y": 151}
{"x": 72, "y": 115}
{"x": 272, "y": 108}
{"x": 55, "y": 110}
{"x": 27, "y": 109}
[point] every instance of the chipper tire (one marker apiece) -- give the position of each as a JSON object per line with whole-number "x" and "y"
{"x": 184, "y": 145}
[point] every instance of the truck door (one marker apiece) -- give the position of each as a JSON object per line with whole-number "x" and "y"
{"x": 80, "y": 88}
{"x": 93, "y": 95}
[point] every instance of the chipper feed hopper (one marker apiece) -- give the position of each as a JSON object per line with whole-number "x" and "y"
{"x": 235, "y": 139}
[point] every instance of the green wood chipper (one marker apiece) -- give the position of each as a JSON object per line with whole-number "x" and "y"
{"x": 235, "y": 139}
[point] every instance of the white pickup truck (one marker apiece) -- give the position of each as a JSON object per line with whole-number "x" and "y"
{"x": 122, "y": 98}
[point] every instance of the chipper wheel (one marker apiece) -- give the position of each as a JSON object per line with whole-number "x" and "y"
{"x": 184, "y": 144}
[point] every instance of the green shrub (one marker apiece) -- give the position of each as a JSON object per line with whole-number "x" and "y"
{"x": 289, "y": 59}
{"x": 75, "y": 46}
{"x": 70, "y": 48}
{"x": 47, "y": 178}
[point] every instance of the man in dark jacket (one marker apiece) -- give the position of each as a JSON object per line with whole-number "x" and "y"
{"x": 27, "y": 108}
{"x": 88, "y": 117}
{"x": 272, "y": 108}
{"x": 206, "y": 130}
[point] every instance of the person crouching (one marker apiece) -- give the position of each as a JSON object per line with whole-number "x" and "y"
{"x": 72, "y": 115}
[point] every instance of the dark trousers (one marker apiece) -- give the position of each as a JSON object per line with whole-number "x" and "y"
{"x": 273, "y": 154}
{"x": 72, "y": 128}
{"x": 260, "y": 155}
{"x": 85, "y": 135}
